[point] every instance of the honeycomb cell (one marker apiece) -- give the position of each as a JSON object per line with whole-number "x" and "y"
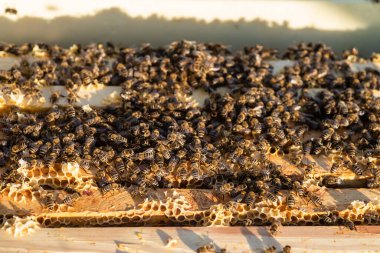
{"x": 146, "y": 217}
{"x": 294, "y": 219}
{"x": 353, "y": 216}
{"x": 258, "y": 221}
{"x": 301, "y": 223}
{"x": 55, "y": 224}
{"x": 52, "y": 173}
{"x": 217, "y": 223}
{"x": 147, "y": 207}
{"x": 46, "y": 222}
{"x": 250, "y": 214}
{"x": 44, "y": 171}
{"x": 243, "y": 216}
{"x": 198, "y": 217}
{"x": 155, "y": 207}
{"x": 136, "y": 219}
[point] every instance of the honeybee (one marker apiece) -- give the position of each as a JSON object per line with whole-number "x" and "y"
{"x": 70, "y": 111}
{"x": 56, "y": 146}
{"x": 36, "y": 163}
{"x": 2, "y": 159}
{"x": 373, "y": 183}
{"x": 280, "y": 134}
{"x": 270, "y": 197}
{"x": 50, "y": 160}
{"x": 277, "y": 185}
{"x": 326, "y": 134}
{"x": 55, "y": 96}
{"x": 208, "y": 248}
{"x": 164, "y": 151}
{"x": 85, "y": 162}
{"x": 266, "y": 175}
{"x": 299, "y": 188}
{"x": 109, "y": 187}
{"x": 119, "y": 165}
{"x": 296, "y": 140}
{"x": 314, "y": 199}
{"x": 71, "y": 198}
{"x": 318, "y": 150}
{"x": 173, "y": 162}
{"x": 69, "y": 148}
{"x": 118, "y": 138}
{"x": 329, "y": 218}
{"x": 326, "y": 220}
{"x": 291, "y": 200}
{"x": 271, "y": 249}
{"x": 112, "y": 173}
{"x": 260, "y": 186}
{"x": 226, "y": 189}
{"x": 275, "y": 227}
{"x": 52, "y": 116}
{"x": 196, "y": 173}
{"x": 75, "y": 123}
{"x": 263, "y": 146}
{"x": 332, "y": 181}
{"x": 88, "y": 143}
{"x": 372, "y": 167}
{"x": 72, "y": 96}
{"x": 236, "y": 154}
{"x": 155, "y": 135}
{"x": 371, "y": 217}
{"x": 287, "y": 249}
{"x": 28, "y": 129}
{"x": 135, "y": 130}
{"x": 310, "y": 167}
{"x": 250, "y": 198}
{"x": 146, "y": 155}
{"x": 127, "y": 153}
{"x": 307, "y": 147}
{"x": 33, "y": 147}
{"x": 49, "y": 201}
{"x": 70, "y": 137}
{"x": 94, "y": 120}
{"x": 351, "y": 149}
{"x": 349, "y": 224}
{"x": 5, "y": 74}
{"x": 356, "y": 169}
{"x": 20, "y": 146}
{"x": 182, "y": 171}
{"x": 336, "y": 164}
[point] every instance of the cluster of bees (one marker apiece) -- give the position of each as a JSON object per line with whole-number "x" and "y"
{"x": 158, "y": 138}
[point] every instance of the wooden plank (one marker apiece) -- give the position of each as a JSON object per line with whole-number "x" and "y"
{"x": 97, "y": 209}
{"x": 233, "y": 239}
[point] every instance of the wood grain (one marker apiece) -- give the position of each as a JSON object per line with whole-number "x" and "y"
{"x": 234, "y": 239}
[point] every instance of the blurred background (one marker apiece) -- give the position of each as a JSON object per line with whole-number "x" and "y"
{"x": 238, "y": 23}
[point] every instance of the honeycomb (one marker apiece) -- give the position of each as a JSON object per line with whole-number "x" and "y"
{"x": 18, "y": 227}
{"x": 175, "y": 210}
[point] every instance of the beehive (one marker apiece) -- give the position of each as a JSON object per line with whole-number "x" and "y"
{"x": 110, "y": 195}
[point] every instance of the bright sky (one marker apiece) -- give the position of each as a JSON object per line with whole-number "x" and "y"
{"x": 322, "y": 15}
